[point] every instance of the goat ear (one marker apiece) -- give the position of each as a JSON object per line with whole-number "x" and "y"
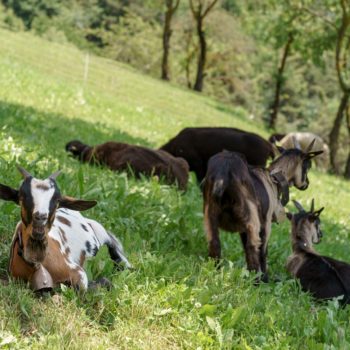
{"x": 310, "y": 155}
{"x": 9, "y": 194}
{"x": 289, "y": 216}
{"x": 75, "y": 204}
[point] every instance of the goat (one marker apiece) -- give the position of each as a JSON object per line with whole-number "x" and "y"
{"x": 141, "y": 160}
{"x": 303, "y": 139}
{"x": 197, "y": 145}
{"x": 276, "y": 137}
{"x": 245, "y": 199}
{"x": 52, "y": 240}
{"x": 323, "y": 277}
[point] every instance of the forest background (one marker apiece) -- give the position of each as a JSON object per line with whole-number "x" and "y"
{"x": 283, "y": 61}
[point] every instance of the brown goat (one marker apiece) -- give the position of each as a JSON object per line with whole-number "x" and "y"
{"x": 322, "y": 276}
{"x": 140, "y": 160}
{"x": 52, "y": 239}
{"x": 240, "y": 198}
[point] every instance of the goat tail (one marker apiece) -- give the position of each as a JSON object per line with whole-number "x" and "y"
{"x": 116, "y": 251}
{"x": 219, "y": 188}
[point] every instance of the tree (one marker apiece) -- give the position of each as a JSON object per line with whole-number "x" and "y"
{"x": 279, "y": 83}
{"x": 341, "y": 63}
{"x": 336, "y": 16}
{"x": 200, "y": 10}
{"x": 347, "y": 166}
{"x": 171, "y": 7}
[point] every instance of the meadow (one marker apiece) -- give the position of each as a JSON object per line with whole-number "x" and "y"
{"x": 175, "y": 298}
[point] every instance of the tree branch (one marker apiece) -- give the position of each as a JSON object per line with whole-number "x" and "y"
{"x": 343, "y": 5}
{"x": 195, "y": 13}
{"x": 176, "y": 5}
{"x": 320, "y": 16}
{"x": 210, "y": 6}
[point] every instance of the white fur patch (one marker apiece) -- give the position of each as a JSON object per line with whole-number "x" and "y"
{"x": 41, "y": 195}
{"x": 80, "y": 231}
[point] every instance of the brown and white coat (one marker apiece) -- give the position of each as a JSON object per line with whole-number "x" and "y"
{"x": 53, "y": 235}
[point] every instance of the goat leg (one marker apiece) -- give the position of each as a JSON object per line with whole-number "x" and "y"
{"x": 263, "y": 255}
{"x": 252, "y": 250}
{"x": 212, "y": 230}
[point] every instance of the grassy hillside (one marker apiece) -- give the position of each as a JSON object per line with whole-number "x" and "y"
{"x": 175, "y": 298}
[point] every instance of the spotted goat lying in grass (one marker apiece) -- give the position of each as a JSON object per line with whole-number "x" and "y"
{"x": 323, "y": 277}
{"x": 53, "y": 239}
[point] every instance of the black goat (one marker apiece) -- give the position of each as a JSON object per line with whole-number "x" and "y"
{"x": 197, "y": 145}
{"x": 323, "y": 277}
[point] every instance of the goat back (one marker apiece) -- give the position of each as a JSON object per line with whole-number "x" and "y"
{"x": 324, "y": 277}
{"x": 228, "y": 172}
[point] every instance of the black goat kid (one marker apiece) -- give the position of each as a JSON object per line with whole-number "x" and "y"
{"x": 323, "y": 277}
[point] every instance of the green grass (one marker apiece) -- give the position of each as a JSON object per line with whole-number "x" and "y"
{"x": 175, "y": 298}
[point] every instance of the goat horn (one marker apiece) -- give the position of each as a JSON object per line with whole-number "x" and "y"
{"x": 296, "y": 143}
{"x": 309, "y": 148}
{"x": 312, "y": 205}
{"x": 298, "y": 205}
{"x": 54, "y": 175}
{"x": 24, "y": 172}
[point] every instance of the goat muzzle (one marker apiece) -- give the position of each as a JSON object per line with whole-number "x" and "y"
{"x": 38, "y": 233}
{"x": 303, "y": 187}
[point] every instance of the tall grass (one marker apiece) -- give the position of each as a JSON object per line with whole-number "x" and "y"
{"x": 175, "y": 298}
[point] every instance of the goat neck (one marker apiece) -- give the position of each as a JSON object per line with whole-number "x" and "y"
{"x": 300, "y": 245}
{"x": 277, "y": 167}
{"x": 33, "y": 250}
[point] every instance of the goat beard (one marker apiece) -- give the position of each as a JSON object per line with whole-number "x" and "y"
{"x": 35, "y": 251}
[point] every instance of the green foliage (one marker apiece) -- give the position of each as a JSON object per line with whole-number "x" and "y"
{"x": 9, "y": 20}
{"x": 175, "y": 297}
{"x": 28, "y": 10}
{"x": 245, "y": 40}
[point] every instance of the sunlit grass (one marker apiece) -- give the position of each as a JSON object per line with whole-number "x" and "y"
{"x": 175, "y": 298}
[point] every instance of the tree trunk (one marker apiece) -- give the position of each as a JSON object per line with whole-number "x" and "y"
{"x": 334, "y": 134}
{"x": 166, "y": 44}
{"x": 347, "y": 167}
{"x": 279, "y": 83}
{"x": 198, "y": 85}
{"x": 190, "y": 54}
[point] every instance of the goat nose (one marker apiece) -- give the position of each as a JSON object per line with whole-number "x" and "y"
{"x": 40, "y": 217}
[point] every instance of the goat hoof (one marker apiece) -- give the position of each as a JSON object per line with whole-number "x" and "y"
{"x": 261, "y": 278}
{"x": 219, "y": 264}
{"x": 265, "y": 278}
{"x": 277, "y": 279}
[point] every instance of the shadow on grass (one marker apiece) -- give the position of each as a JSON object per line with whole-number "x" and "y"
{"x": 51, "y": 131}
